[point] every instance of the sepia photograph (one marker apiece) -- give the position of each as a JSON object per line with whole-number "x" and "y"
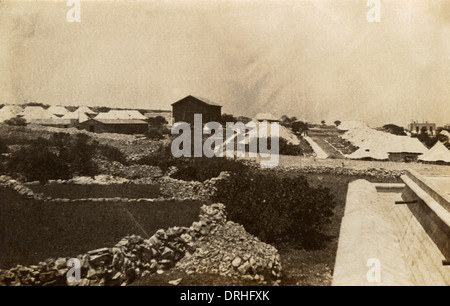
{"x": 207, "y": 146}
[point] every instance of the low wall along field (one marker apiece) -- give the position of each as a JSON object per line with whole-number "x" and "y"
{"x": 76, "y": 227}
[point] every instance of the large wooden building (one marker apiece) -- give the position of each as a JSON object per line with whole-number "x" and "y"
{"x": 184, "y": 110}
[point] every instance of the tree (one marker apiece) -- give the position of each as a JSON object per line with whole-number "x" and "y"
{"x": 323, "y": 122}
{"x": 17, "y": 121}
{"x": 157, "y": 121}
{"x": 394, "y": 129}
{"x": 227, "y": 118}
{"x": 337, "y": 123}
{"x": 287, "y": 121}
{"x": 300, "y": 127}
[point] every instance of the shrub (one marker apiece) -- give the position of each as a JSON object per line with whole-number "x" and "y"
{"x": 38, "y": 162}
{"x": 157, "y": 121}
{"x": 16, "y": 121}
{"x": 111, "y": 153}
{"x": 60, "y": 157}
{"x": 277, "y": 209}
{"x": 284, "y": 147}
{"x": 3, "y": 147}
{"x": 155, "y": 134}
{"x": 162, "y": 158}
{"x": 204, "y": 168}
{"x": 394, "y": 129}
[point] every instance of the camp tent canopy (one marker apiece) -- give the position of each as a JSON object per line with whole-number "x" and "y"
{"x": 437, "y": 153}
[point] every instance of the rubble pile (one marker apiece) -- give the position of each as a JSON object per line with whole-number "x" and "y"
{"x": 179, "y": 189}
{"x": 229, "y": 250}
{"x": 130, "y": 171}
{"x": 212, "y": 244}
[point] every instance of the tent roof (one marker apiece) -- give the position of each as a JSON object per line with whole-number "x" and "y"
{"x": 36, "y": 112}
{"x": 437, "y": 153}
{"x": 58, "y": 110}
{"x": 9, "y": 111}
{"x": 81, "y": 117}
{"x": 85, "y": 109}
{"x": 265, "y": 117}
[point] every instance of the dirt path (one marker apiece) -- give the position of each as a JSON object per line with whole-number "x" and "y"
{"x": 329, "y": 150}
{"x": 320, "y": 153}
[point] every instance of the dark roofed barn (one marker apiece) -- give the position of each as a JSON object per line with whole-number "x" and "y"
{"x": 184, "y": 110}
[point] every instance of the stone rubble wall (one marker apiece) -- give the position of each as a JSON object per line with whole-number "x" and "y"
{"x": 371, "y": 172}
{"x": 172, "y": 190}
{"x": 236, "y": 253}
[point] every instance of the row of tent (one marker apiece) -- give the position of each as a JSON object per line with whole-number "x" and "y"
{"x": 34, "y": 114}
{"x": 378, "y": 145}
{"x": 37, "y": 114}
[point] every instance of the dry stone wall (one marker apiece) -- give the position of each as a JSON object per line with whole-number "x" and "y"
{"x": 235, "y": 253}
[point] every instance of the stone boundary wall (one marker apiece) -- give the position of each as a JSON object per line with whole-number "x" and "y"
{"x": 371, "y": 172}
{"x": 179, "y": 191}
{"x": 134, "y": 257}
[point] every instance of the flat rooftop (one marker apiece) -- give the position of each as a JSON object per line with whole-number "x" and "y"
{"x": 404, "y": 227}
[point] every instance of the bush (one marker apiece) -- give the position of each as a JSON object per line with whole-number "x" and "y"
{"x": 394, "y": 129}
{"x": 157, "y": 121}
{"x": 162, "y": 158}
{"x": 38, "y": 162}
{"x": 154, "y": 134}
{"x": 112, "y": 153}
{"x": 3, "y": 147}
{"x": 17, "y": 121}
{"x": 277, "y": 209}
{"x": 204, "y": 168}
{"x": 284, "y": 147}
{"x": 60, "y": 157}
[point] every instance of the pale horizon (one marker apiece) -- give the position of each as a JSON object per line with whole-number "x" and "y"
{"x": 316, "y": 60}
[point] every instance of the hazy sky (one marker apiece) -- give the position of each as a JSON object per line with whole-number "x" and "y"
{"x": 312, "y": 59}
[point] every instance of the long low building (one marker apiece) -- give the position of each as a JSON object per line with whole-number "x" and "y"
{"x": 120, "y": 126}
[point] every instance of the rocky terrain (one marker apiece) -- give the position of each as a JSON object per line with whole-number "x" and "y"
{"x": 134, "y": 257}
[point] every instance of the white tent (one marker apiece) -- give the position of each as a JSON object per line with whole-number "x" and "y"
{"x": 31, "y": 113}
{"x": 437, "y": 153}
{"x": 85, "y": 110}
{"x": 351, "y": 125}
{"x": 265, "y": 117}
{"x": 377, "y": 144}
{"x": 58, "y": 110}
{"x": 79, "y": 116}
{"x": 9, "y": 111}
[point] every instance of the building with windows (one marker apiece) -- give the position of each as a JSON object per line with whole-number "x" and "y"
{"x": 424, "y": 127}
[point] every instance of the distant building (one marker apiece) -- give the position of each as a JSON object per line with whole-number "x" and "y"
{"x": 116, "y": 121}
{"x": 184, "y": 110}
{"x": 55, "y": 122}
{"x": 119, "y": 126}
{"x": 416, "y": 127}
